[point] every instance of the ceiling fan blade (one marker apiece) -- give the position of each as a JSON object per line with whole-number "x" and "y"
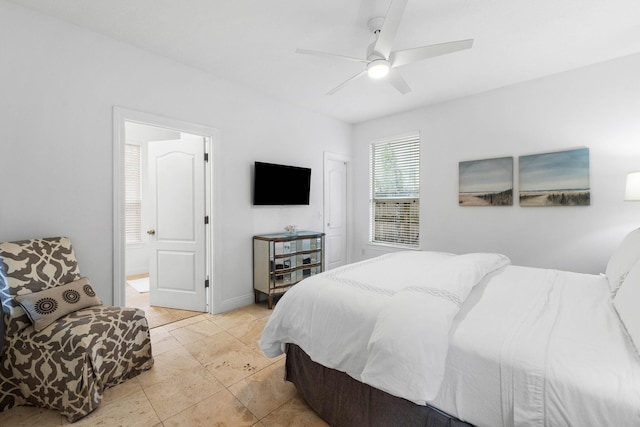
{"x": 398, "y": 82}
{"x": 343, "y": 84}
{"x": 330, "y": 55}
{"x": 390, "y": 28}
{"x": 403, "y": 57}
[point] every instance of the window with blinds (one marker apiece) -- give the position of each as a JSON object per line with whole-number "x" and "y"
{"x": 395, "y": 191}
{"x": 133, "y": 194}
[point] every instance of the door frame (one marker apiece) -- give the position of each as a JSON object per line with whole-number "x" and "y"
{"x": 349, "y": 190}
{"x": 213, "y": 249}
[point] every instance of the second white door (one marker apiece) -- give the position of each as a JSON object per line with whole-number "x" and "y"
{"x": 177, "y": 270}
{"x": 335, "y": 210}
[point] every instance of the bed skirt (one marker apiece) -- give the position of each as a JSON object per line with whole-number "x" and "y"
{"x": 345, "y": 402}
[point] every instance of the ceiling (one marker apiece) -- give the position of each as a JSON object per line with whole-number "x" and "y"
{"x": 253, "y": 42}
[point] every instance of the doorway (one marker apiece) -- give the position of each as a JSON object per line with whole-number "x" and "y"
{"x": 163, "y": 232}
{"x": 336, "y": 194}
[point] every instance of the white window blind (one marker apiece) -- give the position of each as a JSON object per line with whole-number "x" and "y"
{"x": 395, "y": 191}
{"x": 133, "y": 194}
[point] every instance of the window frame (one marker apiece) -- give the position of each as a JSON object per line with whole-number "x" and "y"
{"x": 408, "y": 146}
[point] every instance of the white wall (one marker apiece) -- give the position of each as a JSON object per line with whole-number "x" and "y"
{"x": 597, "y": 107}
{"x": 59, "y": 86}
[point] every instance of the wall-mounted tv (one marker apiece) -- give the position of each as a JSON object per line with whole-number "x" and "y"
{"x": 280, "y": 184}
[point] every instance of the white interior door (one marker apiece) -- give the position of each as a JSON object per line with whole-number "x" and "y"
{"x": 335, "y": 211}
{"x": 177, "y": 268}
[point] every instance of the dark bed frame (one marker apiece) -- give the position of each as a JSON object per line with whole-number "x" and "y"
{"x": 345, "y": 402}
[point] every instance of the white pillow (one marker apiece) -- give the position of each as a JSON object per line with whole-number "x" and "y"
{"x": 622, "y": 259}
{"x": 626, "y": 304}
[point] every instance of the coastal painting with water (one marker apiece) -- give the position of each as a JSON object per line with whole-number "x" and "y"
{"x": 486, "y": 182}
{"x": 555, "y": 179}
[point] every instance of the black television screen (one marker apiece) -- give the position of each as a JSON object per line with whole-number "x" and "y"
{"x": 280, "y": 184}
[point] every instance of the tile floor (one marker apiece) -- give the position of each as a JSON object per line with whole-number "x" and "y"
{"x": 156, "y": 316}
{"x": 208, "y": 371}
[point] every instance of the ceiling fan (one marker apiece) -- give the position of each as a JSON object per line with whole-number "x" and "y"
{"x": 381, "y": 61}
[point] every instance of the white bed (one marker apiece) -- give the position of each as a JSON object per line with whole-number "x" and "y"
{"x": 489, "y": 343}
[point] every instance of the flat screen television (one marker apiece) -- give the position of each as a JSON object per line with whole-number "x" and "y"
{"x": 280, "y": 184}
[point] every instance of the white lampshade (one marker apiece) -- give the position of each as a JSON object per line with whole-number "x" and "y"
{"x": 632, "y": 191}
{"x": 378, "y": 68}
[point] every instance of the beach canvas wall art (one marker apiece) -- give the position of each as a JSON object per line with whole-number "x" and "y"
{"x": 486, "y": 182}
{"x": 555, "y": 179}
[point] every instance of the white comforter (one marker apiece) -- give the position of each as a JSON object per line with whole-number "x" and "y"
{"x": 529, "y": 347}
{"x": 384, "y": 321}
{"x": 535, "y": 347}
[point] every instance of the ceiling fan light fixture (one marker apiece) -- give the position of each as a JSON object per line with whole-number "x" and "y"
{"x": 378, "y": 68}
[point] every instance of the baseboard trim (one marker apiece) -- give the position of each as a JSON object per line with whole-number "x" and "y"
{"x": 233, "y": 303}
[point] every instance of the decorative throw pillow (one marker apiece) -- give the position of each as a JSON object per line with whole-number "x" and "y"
{"x": 45, "y": 307}
{"x": 622, "y": 259}
{"x": 626, "y": 304}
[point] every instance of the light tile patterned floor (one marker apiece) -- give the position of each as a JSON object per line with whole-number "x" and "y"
{"x": 156, "y": 316}
{"x": 208, "y": 372}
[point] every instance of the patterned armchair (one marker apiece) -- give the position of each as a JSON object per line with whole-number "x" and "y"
{"x": 67, "y": 365}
